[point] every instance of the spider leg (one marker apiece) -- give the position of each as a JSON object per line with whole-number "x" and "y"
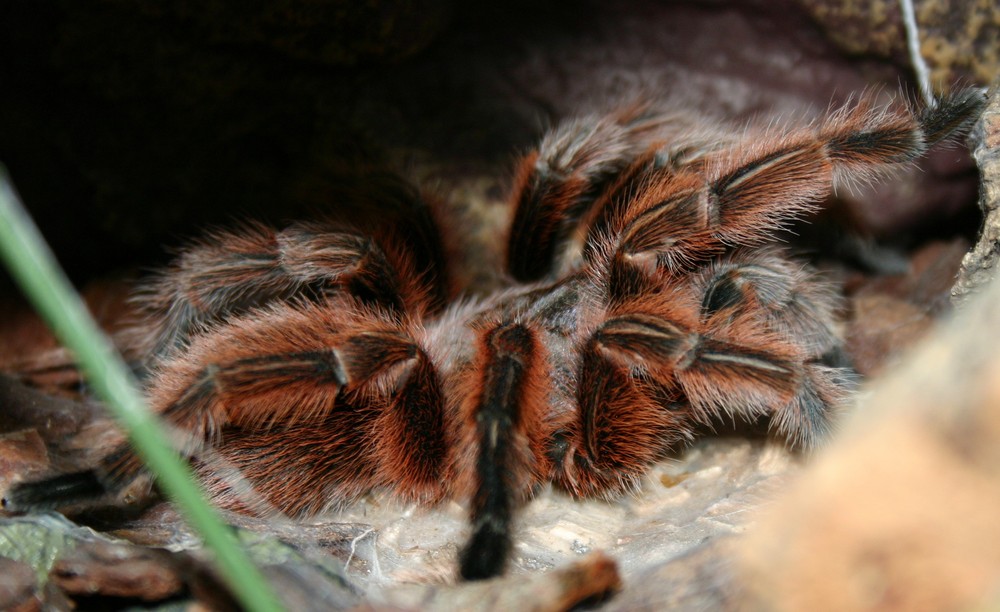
{"x": 785, "y": 299}
{"x": 626, "y": 421}
{"x": 386, "y": 429}
{"x": 741, "y": 196}
{"x": 503, "y": 420}
{"x": 230, "y": 273}
{"x": 655, "y": 368}
{"x": 557, "y": 182}
{"x": 341, "y": 375}
{"x": 790, "y": 300}
{"x": 685, "y": 206}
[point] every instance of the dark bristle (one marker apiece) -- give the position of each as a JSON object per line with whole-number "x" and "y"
{"x": 891, "y": 144}
{"x": 54, "y": 492}
{"x": 420, "y": 228}
{"x": 953, "y": 115}
{"x": 724, "y": 292}
{"x": 534, "y": 234}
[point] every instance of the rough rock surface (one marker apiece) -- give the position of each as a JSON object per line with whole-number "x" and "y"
{"x": 980, "y": 264}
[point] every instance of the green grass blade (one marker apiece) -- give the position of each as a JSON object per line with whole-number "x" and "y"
{"x": 34, "y": 267}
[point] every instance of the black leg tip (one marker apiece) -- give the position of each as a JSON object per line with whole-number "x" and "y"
{"x": 485, "y": 555}
{"x": 54, "y": 492}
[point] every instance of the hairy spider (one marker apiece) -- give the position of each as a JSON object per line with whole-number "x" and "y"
{"x": 323, "y": 360}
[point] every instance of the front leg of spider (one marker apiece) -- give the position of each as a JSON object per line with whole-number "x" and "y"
{"x": 751, "y": 343}
{"x": 505, "y": 430}
{"x": 385, "y": 428}
{"x": 739, "y": 192}
{"x": 297, "y": 390}
{"x": 655, "y": 368}
{"x": 231, "y": 273}
{"x": 396, "y": 263}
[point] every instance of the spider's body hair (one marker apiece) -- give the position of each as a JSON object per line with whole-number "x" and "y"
{"x": 321, "y": 361}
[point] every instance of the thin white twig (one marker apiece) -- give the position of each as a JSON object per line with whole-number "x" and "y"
{"x": 354, "y": 546}
{"x": 920, "y": 69}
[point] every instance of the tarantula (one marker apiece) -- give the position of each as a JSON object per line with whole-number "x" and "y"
{"x": 326, "y": 359}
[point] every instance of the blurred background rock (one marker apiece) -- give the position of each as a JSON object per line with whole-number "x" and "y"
{"x": 129, "y": 125}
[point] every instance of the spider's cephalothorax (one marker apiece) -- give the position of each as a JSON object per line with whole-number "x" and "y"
{"x": 325, "y": 360}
